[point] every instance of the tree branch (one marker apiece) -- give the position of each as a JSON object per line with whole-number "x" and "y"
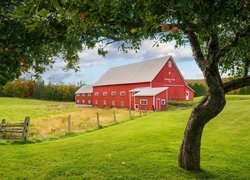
{"x": 238, "y": 35}
{"x": 195, "y": 45}
{"x": 236, "y": 84}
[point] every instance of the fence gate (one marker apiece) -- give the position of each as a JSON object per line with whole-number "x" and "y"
{"x": 15, "y": 130}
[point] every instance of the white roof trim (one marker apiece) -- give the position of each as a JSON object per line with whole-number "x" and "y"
{"x": 150, "y": 91}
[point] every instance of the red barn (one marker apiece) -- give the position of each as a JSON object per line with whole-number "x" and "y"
{"x": 146, "y": 85}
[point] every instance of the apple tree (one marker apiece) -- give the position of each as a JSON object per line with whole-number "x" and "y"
{"x": 217, "y": 31}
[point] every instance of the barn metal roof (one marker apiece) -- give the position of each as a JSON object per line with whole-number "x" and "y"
{"x": 150, "y": 91}
{"x": 144, "y": 71}
{"x": 85, "y": 89}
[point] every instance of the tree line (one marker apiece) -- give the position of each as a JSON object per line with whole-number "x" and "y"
{"x": 39, "y": 90}
{"x": 201, "y": 90}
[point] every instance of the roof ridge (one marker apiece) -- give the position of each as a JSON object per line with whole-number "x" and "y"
{"x": 143, "y": 61}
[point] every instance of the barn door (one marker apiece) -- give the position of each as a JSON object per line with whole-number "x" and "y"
{"x": 136, "y": 106}
{"x": 187, "y": 95}
{"x": 158, "y": 104}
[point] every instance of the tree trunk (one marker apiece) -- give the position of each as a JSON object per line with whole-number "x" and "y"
{"x": 205, "y": 110}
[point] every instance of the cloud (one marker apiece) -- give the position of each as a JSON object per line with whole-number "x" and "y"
{"x": 92, "y": 65}
{"x": 59, "y": 77}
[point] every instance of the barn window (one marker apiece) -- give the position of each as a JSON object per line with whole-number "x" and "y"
{"x": 83, "y": 101}
{"x": 122, "y": 103}
{"x": 104, "y": 102}
{"x": 169, "y": 72}
{"x": 122, "y": 93}
{"x": 143, "y": 102}
{"x": 77, "y": 94}
{"x": 83, "y": 94}
{"x": 77, "y": 100}
{"x": 169, "y": 63}
{"x": 89, "y": 101}
{"x": 163, "y": 102}
{"x": 104, "y": 93}
{"x": 96, "y": 101}
{"x": 96, "y": 93}
{"x": 89, "y": 94}
{"x": 113, "y": 93}
{"x": 113, "y": 103}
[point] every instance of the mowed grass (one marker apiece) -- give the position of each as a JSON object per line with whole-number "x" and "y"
{"x": 145, "y": 148}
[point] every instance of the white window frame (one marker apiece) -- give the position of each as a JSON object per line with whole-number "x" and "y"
{"x": 170, "y": 64}
{"x": 122, "y": 103}
{"x": 122, "y": 93}
{"x": 83, "y": 101}
{"x": 96, "y": 101}
{"x": 77, "y": 101}
{"x": 113, "y": 103}
{"x": 89, "y": 94}
{"x": 89, "y": 101}
{"x": 104, "y": 93}
{"x": 104, "y": 102}
{"x": 113, "y": 93}
{"x": 142, "y": 102}
{"x": 96, "y": 93}
{"x": 163, "y": 101}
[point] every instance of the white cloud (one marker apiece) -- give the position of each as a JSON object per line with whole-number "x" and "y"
{"x": 90, "y": 59}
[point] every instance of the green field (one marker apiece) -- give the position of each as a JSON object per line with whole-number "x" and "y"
{"x": 15, "y": 109}
{"x": 145, "y": 148}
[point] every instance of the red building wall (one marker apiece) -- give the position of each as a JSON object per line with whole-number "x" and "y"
{"x": 171, "y": 77}
{"x": 84, "y": 98}
{"x": 153, "y": 102}
{"x": 161, "y": 96}
{"x": 148, "y": 106}
{"x": 99, "y": 100}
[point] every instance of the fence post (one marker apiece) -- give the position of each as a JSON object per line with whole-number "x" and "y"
{"x": 115, "y": 117}
{"x": 26, "y": 128}
{"x": 130, "y": 114}
{"x": 69, "y": 123}
{"x": 98, "y": 121}
{"x": 2, "y": 127}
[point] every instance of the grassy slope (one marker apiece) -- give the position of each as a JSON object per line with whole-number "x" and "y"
{"x": 15, "y": 109}
{"x": 148, "y": 146}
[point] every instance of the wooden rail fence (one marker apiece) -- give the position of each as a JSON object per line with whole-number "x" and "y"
{"x": 15, "y": 130}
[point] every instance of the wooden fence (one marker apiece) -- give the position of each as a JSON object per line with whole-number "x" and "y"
{"x": 15, "y": 130}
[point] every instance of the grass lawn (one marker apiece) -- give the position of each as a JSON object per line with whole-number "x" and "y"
{"x": 145, "y": 148}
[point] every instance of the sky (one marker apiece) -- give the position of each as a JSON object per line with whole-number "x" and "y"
{"x": 93, "y": 66}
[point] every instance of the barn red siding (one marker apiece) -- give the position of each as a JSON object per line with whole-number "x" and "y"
{"x": 171, "y": 78}
{"x": 160, "y": 97}
{"x": 149, "y": 104}
{"x": 99, "y": 100}
{"x": 84, "y": 98}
